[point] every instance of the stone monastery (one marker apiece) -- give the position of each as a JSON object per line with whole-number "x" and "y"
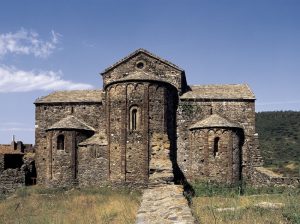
{"x": 147, "y": 126}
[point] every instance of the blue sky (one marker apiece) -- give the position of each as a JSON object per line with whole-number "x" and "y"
{"x": 53, "y": 45}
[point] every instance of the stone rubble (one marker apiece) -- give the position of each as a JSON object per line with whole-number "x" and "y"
{"x": 269, "y": 205}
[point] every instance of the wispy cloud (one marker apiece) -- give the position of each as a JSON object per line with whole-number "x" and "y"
{"x": 14, "y": 80}
{"x": 28, "y": 42}
{"x": 88, "y": 44}
{"x": 15, "y": 126}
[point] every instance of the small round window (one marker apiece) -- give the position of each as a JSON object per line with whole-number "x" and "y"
{"x": 140, "y": 65}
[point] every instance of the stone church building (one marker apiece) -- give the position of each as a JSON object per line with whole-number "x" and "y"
{"x": 146, "y": 126}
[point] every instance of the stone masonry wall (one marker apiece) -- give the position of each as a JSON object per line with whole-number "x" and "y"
{"x": 137, "y": 140}
{"x": 162, "y": 127}
{"x": 129, "y": 149}
{"x": 264, "y": 177}
{"x": 1, "y": 162}
{"x": 238, "y": 111}
{"x": 62, "y": 166}
{"x": 222, "y": 165}
{"x": 93, "y": 166}
{"x": 92, "y": 114}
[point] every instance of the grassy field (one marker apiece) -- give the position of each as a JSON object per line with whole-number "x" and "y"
{"x": 211, "y": 204}
{"x": 223, "y": 205}
{"x": 37, "y": 205}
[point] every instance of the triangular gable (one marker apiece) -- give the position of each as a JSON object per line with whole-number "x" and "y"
{"x": 135, "y": 53}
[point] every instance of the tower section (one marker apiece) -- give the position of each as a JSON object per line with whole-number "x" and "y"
{"x": 141, "y": 102}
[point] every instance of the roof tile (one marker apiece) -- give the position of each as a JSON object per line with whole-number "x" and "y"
{"x": 227, "y": 91}
{"x": 71, "y": 122}
{"x": 214, "y": 120}
{"x": 74, "y": 96}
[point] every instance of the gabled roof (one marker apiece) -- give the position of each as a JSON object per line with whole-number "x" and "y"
{"x": 71, "y": 123}
{"x": 73, "y": 96}
{"x": 138, "y": 51}
{"x": 214, "y": 121}
{"x": 227, "y": 91}
{"x": 96, "y": 139}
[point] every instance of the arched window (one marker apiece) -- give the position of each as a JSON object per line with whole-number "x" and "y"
{"x": 133, "y": 123}
{"x": 60, "y": 142}
{"x": 216, "y": 146}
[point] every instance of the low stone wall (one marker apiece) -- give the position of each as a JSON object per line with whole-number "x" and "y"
{"x": 264, "y": 177}
{"x": 10, "y": 180}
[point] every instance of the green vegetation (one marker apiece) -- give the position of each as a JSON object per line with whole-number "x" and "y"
{"x": 87, "y": 205}
{"x": 215, "y": 203}
{"x": 279, "y": 136}
{"x": 216, "y": 189}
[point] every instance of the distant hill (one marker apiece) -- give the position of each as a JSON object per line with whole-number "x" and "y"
{"x": 279, "y": 136}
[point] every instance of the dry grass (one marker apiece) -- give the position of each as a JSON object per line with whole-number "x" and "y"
{"x": 102, "y": 205}
{"x": 206, "y": 211}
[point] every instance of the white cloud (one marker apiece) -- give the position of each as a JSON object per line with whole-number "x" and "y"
{"x": 14, "y": 80}
{"x": 15, "y": 126}
{"x": 28, "y": 42}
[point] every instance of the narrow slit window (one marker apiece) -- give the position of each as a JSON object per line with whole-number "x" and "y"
{"x": 216, "y": 146}
{"x": 133, "y": 119}
{"x": 60, "y": 142}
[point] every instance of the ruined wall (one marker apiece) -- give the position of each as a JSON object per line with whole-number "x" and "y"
{"x": 93, "y": 166}
{"x": 263, "y": 177}
{"x": 215, "y": 155}
{"x": 92, "y": 114}
{"x": 10, "y": 179}
{"x": 162, "y": 137}
{"x": 238, "y": 111}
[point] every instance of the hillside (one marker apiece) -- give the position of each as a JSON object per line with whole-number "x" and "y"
{"x": 279, "y": 135}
